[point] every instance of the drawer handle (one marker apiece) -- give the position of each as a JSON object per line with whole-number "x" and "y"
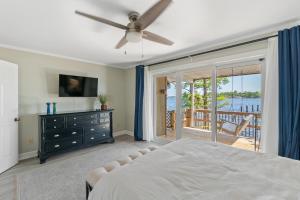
{"x": 54, "y": 126}
{"x": 56, "y": 135}
{"x": 74, "y": 142}
{"x": 103, "y": 126}
{"x": 54, "y": 120}
{"x": 74, "y": 133}
{"x": 56, "y": 146}
{"x": 103, "y": 134}
{"x": 92, "y": 138}
{"x": 75, "y": 124}
{"x": 92, "y": 129}
{"x": 74, "y": 118}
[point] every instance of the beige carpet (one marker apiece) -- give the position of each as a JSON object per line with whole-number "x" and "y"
{"x": 65, "y": 179}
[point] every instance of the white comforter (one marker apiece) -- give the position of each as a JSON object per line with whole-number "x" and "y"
{"x": 189, "y": 169}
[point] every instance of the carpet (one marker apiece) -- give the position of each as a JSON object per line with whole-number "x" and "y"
{"x": 65, "y": 179}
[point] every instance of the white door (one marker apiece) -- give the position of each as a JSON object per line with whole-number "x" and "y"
{"x": 8, "y": 115}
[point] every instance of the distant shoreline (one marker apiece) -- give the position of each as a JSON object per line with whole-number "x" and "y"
{"x": 238, "y": 103}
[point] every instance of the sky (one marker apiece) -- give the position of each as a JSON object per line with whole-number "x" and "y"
{"x": 251, "y": 83}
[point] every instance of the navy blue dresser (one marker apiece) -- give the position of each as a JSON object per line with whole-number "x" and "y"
{"x": 64, "y": 132}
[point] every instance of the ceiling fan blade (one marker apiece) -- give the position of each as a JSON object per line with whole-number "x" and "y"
{"x": 121, "y": 43}
{"x": 102, "y": 20}
{"x": 150, "y": 15}
{"x": 156, "y": 38}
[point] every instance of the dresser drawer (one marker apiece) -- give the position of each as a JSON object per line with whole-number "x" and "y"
{"x": 104, "y": 120}
{"x": 82, "y": 118}
{"x": 104, "y": 115}
{"x": 92, "y": 138}
{"x": 50, "y": 120}
{"x": 97, "y": 129}
{"x": 74, "y": 124}
{"x": 54, "y": 123}
{"x": 63, "y": 133}
{"x": 62, "y": 144}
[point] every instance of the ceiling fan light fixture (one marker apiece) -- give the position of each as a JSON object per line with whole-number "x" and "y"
{"x": 134, "y": 36}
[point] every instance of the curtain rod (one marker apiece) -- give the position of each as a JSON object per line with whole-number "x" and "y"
{"x": 214, "y": 50}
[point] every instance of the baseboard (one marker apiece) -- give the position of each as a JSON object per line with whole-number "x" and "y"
{"x": 27, "y": 155}
{"x": 129, "y": 133}
{"x": 123, "y": 132}
{"x": 32, "y": 154}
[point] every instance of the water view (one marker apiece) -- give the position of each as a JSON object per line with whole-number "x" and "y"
{"x": 229, "y": 104}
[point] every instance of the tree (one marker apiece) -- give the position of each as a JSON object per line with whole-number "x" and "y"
{"x": 203, "y": 100}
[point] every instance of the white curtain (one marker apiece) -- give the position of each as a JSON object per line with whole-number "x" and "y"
{"x": 270, "y": 120}
{"x": 147, "y": 107}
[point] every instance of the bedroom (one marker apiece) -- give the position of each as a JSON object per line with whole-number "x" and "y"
{"x": 94, "y": 132}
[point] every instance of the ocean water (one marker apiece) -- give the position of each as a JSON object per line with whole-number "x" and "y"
{"x": 237, "y": 103}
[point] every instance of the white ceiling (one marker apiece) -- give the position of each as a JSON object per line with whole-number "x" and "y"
{"x": 50, "y": 26}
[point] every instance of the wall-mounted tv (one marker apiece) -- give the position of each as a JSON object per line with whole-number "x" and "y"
{"x": 77, "y": 86}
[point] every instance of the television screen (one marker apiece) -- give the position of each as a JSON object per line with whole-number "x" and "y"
{"x": 77, "y": 86}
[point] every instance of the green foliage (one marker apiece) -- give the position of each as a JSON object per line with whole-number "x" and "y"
{"x": 102, "y": 99}
{"x": 203, "y": 100}
{"x": 199, "y": 101}
{"x": 187, "y": 100}
{"x": 245, "y": 94}
{"x": 206, "y": 83}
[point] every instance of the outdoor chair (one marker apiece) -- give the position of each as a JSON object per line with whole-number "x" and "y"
{"x": 235, "y": 129}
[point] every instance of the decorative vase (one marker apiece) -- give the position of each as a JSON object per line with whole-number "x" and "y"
{"x": 48, "y": 108}
{"x": 54, "y": 107}
{"x": 103, "y": 107}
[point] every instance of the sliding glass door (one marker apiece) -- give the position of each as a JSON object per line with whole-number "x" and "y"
{"x": 219, "y": 104}
{"x": 239, "y": 105}
{"x": 197, "y": 103}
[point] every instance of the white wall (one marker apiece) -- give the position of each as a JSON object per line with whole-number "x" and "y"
{"x": 38, "y": 84}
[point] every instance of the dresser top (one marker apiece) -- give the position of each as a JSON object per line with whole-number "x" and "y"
{"x": 75, "y": 112}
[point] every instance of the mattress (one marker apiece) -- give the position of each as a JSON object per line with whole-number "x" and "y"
{"x": 190, "y": 169}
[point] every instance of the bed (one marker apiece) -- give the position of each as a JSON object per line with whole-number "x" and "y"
{"x": 189, "y": 169}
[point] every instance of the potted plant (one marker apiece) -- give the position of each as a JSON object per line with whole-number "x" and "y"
{"x": 103, "y": 101}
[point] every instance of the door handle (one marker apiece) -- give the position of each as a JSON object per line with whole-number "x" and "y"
{"x": 17, "y": 119}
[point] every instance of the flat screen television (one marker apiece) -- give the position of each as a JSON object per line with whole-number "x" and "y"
{"x": 77, "y": 86}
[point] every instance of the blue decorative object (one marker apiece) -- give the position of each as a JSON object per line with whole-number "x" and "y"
{"x": 289, "y": 93}
{"x": 48, "y": 108}
{"x": 139, "y": 99}
{"x": 54, "y": 107}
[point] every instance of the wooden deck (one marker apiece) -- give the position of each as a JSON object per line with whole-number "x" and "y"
{"x": 205, "y": 135}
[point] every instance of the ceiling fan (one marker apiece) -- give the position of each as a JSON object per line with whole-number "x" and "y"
{"x": 135, "y": 30}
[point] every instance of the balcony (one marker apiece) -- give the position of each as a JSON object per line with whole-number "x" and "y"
{"x": 198, "y": 125}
